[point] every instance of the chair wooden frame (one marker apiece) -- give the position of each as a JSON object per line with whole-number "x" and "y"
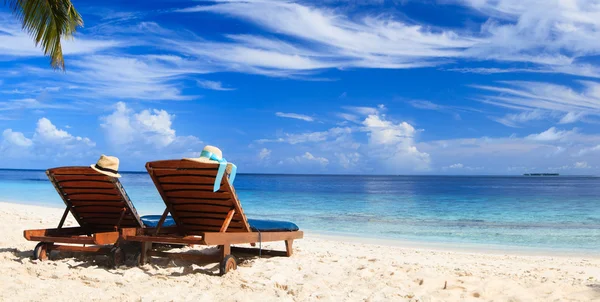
{"x": 98, "y": 203}
{"x": 202, "y": 217}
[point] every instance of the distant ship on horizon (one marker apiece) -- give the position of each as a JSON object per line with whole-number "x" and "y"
{"x": 541, "y": 174}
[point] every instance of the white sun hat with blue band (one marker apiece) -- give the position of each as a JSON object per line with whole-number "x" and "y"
{"x": 213, "y": 155}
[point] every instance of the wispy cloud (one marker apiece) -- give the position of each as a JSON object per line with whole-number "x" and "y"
{"x": 552, "y": 35}
{"x": 552, "y": 134}
{"x": 213, "y": 85}
{"x": 264, "y": 154}
{"x": 539, "y": 100}
{"x": 302, "y": 39}
{"x": 141, "y": 77}
{"x": 362, "y": 110}
{"x": 295, "y": 116}
{"x": 587, "y": 150}
{"x": 311, "y": 137}
{"x": 571, "y": 117}
{"x": 515, "y": 120}
{"x": 32, "y": 104}
{"x": 308, "y": 157}
{"x": 453, "y": 110}
{"x": 577, "y": 69}
{"x": 337, "y": 40}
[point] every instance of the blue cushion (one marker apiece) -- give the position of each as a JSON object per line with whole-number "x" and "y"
{"x": 257, "y": 225}
{"x": 151, "y": 221}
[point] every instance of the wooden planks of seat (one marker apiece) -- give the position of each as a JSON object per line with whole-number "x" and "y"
{"x": 187, "y": 189}
{"x": 95, "y": 200}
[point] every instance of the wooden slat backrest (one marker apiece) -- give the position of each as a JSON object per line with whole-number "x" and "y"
{"x": 96, "y": 200}
{"x": 187, "y": 190}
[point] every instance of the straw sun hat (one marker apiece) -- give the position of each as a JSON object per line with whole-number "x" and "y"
{"x": 107, "y": 165}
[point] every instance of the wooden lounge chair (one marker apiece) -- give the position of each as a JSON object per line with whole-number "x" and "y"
{"x": 99, "y": 204}
{"x": 203, "y": 217}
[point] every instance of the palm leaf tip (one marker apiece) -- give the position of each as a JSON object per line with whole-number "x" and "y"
{"x": 48, "y": 21}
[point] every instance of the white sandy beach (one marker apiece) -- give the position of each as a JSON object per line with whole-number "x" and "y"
{"x": 321, "y": 269}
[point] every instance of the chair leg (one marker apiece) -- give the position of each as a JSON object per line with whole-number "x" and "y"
{"x": 146, "y": 247}
{"x": 288, "y": 247}
{"x": 225, "y": 250}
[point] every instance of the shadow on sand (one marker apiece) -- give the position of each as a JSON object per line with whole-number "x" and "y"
{"x": 152, "y": 268}
{"x": 21, "y": 255}
{"x": 595, "y": 287}
{"x": 84, "y": 260}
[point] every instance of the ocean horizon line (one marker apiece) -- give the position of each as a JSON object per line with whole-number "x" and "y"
{"x": 376, "y": 175}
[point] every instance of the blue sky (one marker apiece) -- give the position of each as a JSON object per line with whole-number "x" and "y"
{"x": 384, "y": 87}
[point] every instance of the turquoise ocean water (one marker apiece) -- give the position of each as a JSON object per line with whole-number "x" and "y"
{"x": 559, "y": 213}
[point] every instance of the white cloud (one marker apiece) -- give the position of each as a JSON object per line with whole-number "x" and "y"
{"x": 16, "y": 138}
{"x": 264, "y": 154}
{"x": 31, "y": 104}
{"x": 47, "y": 142}
{"x": 492, "y": 70}
{"x": 339, "y": 41}
{"x": 581, "y": 165}
{"x": 311, "y": 137}
{"x": 453, "y": 110}
{"x": 550, "y": 34}
{"x": 551, "y": 26}
{"x": 155, "y": 127}
{"x": 394, "y": 144}
{"x": 213, "y": 85}
{"x": 308, "y": 157}
{"x": 577, "y": 69}
{"x": 552, "y": 134}
{"x": 132, "y": 77}
{"x": 128, "y": 77}
{"x": 515, "y": 119}
{"x": 126, "y": 129}
{"x": 460, "y": 168}
{"x": 295, "y": 116}
{"x": 301, "y": 39}
{"x": 427, "y": 105}
{"x": 365, "y": 110}
{"x": 348, "y": 160}
{"x": 348, "y": 117}
{"x": 538, "y": 100}
{"x": 539, "y": 95}
{"x": 585, "y": 151}
{"x": 390, "y": 147}
{"x": 47, "y": 132}
{"x": 117, "y": 125}
{"x": 571, "y": 117}
{"x": 516, "y": 154}
{"x": 383, "y": 132}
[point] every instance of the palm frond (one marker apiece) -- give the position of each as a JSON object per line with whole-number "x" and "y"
{"x": 48, "y": 21}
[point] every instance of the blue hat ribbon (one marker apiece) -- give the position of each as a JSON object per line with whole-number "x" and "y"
{"x": 222, "y": 166}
